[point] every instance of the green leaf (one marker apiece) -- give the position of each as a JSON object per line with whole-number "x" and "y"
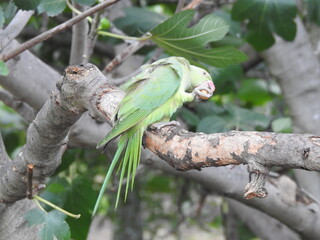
{"x": 86, "y": 2}
{"x": 158, "y": 184}
{"x": 77, "y": 197}
{"x": 1, "y": 18}
{"x": 247, "y": 120}
{"x": 190, "y": 117}
{"x": 213, "y": 124}
{"x": 10, "y": 10}
{"x": 227, "y": 79}
{"x": 35, "y": 217}
{"x": 313, "y": 7}
{"x": 138, "y": 20}
{"x": 283, "y": 125}
{"x": 4, "y": 71}
{"x": 80, "y": 199}
{"x": 191, "y": 43}
{"x": 52, "y": 7}
{"x": 53, "y": 225}
{"x": 254, "y": 91}
{"x": 27, "y": 4}
{"x": 266, "y": 17}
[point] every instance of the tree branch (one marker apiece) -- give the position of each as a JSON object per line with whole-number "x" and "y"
{"x": 124, "y": 54}
{"x": 48, "y": 34}
{"x": 20, "y": 107}
{"x": 3, "y": 153}
{"x": 264, "y": 226}
{"x": 259, "y": 150}
{"x": 14, "y": 28}
{"x": 79, "y": 40}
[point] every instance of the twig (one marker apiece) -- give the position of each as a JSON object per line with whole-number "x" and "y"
{"x": 193, "y": 4}
{"x": 92, "y": 36}
{"x": 48, "y": 34}
{"x": 14, "y": 28}
{"x": 132, "y": 48}
{"x": 180, "y": 6}
{"x": 29, "y": 180}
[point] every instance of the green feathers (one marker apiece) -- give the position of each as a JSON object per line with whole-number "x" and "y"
{"x": 151, "y": 96}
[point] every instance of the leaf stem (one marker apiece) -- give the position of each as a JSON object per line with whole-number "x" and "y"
{"x": 76, "y": 11}
{"x": 39, "y": 205}
{"x": 109, "y": 34}
{"x": 38, "y": 198}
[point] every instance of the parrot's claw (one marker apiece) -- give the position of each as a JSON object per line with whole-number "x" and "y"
{"x": 159, "y": 125}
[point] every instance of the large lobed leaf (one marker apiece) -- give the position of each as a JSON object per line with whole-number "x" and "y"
{"x": 27, "y": 4}
{"x": 52, "y": 7}
{"x": 75, "y": 196}
{"x": 191, "y": 43}
{"x": 267, "y": 17}
{"x": 53, "y": 224}
{"x": 138, "y": 20}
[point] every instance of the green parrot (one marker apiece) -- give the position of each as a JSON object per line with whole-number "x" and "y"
{"x": 152, "y": 96}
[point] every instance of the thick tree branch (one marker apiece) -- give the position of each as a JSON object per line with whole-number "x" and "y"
{"x": 13, "y": 225}
{"x": 47, "y": 135}
{"x": 14, "y": 28}
{"x": 259, "y": 150}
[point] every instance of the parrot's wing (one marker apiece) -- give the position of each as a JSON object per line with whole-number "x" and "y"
{"x": 124, "y": 125}
{"x": 144, "y": 96}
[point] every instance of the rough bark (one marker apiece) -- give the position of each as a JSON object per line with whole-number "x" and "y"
{"x": 13, "y": 226}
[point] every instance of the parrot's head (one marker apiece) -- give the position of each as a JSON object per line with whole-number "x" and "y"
{"x": 201, "y": 82}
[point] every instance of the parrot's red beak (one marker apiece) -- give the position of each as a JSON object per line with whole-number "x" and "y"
{"x": 206, "y": 90}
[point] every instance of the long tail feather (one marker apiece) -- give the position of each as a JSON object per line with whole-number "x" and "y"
{"x": 130, "y": 144}
{"x": 137, "y": 154}
{"x": 130, "y": 161}
{"x": 121, "y": 145}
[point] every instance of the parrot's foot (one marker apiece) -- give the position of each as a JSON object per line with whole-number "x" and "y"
{"x": 204, "y": 91}
{"x": 159, "y": 125}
